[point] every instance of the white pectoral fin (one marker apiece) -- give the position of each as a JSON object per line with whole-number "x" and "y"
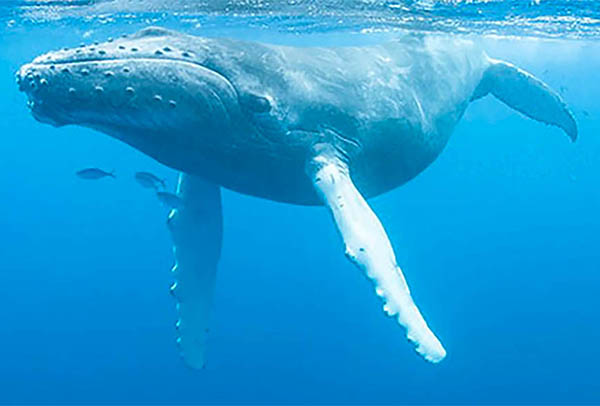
{"x": 368, "y": 246}
{"x": 528, "y": 95}
{"x": 196, "y": 229}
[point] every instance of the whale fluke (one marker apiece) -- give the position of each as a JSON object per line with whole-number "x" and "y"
{"x": 196, "y": 229}
{"x": 368, "y": 247}
{"x": 527, "y": 94}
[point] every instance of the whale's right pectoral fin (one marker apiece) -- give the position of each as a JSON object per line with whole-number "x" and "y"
{"x": 368, "y": 247}
{"x": 527, "y": 94}
{"x": 196, "y": 229}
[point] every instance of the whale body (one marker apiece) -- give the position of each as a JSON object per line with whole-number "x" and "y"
{"x": 308, "y": 126}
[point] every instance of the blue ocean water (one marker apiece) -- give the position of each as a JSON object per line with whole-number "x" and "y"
{"x": 498, "y": 240}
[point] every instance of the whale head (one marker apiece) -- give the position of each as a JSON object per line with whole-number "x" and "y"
{"x": 139, "y": 89}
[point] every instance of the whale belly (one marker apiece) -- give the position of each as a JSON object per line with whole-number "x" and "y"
{"x": 386, "y": 156}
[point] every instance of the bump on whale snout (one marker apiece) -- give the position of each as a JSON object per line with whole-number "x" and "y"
{"x": 154, "y": 31}
{"x": 35, "y": 83}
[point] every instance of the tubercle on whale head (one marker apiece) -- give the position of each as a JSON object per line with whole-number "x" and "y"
{"x": 148, "y": 81}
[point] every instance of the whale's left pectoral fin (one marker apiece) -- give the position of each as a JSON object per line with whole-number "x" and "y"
{"x": 368, "y": 247}
{"x": 527, "y": 94}
{"x": 196, "y": 229}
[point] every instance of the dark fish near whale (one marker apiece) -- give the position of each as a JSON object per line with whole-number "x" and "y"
{"x": 170, "y": 200}
{"x": 150, "y": 181}
{"x": 94, "y": 173}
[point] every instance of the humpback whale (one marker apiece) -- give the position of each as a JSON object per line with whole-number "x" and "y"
{"x": 307, "y": 126}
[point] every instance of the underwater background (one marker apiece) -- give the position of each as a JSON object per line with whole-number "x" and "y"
{"x": 499, "y": 238}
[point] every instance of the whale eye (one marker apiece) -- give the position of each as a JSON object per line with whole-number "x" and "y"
{"x": 255, "y": 103}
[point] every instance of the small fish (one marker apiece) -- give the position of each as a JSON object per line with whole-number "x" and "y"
{"x": 150, "y": 181}
{"x": 170, "y": 200}
{"x": 94, "y": 173}
{"x": 585, "y": 113}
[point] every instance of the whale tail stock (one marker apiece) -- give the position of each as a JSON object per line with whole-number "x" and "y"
{"x": 527, "y": 94}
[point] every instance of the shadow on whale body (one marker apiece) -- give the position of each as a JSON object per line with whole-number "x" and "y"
{"x": 312, "y": 126}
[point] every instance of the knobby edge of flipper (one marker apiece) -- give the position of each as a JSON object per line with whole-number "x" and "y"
{"x": 368, "y": 247}
{"x": 196, "y": 230}
{"x": 527, "y": 94}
